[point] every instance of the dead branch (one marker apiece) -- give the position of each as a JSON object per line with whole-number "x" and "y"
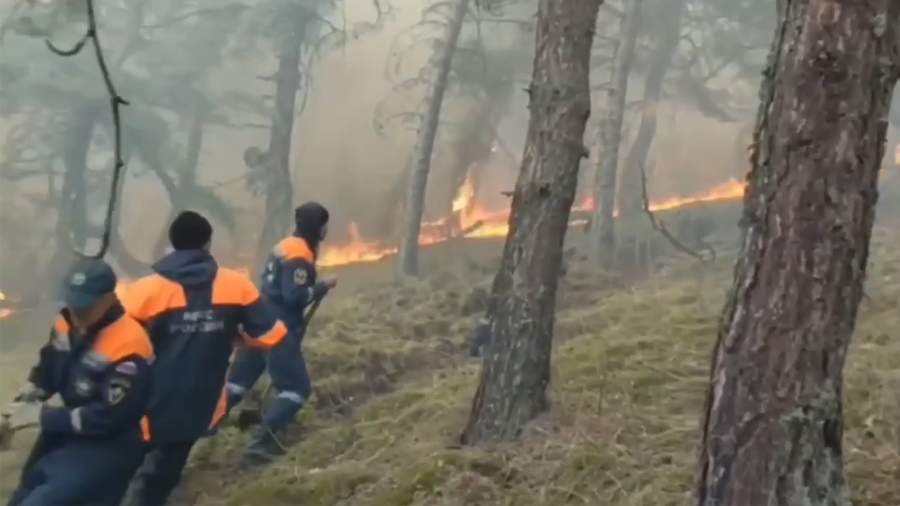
{"x": 660, "y": 226}
{"x": 115, "y": 101}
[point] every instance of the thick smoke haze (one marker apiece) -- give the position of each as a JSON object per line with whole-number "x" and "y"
{"x": 337, "y": 157}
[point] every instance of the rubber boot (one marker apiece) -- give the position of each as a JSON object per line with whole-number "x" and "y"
{"x": 264, "y": 445}
{"x": 264, "y": 448}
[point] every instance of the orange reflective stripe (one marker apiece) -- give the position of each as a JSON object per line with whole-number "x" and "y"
{"x": 221, "y": 409}
{"x": 268, "y": 340}
{"x": 151, "y": 296}
{"x": 145, "y": 429}
{"x": 231, "y": 288}
{"x": 123, "y": 338}
{"x": 295, "y": 248}
{"x": 61, "y": 326}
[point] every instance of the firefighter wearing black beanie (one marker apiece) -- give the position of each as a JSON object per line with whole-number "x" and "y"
{"x": 189, "y": 231}
{"x": 194, "y": 310}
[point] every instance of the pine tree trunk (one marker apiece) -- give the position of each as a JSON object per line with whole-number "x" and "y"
{"x": 516, "y": 370}
{"x": 773, "y": 427}
{"x": 418, "y": 181}
{"x": 602, "y": 236}
{"x": 279, "y": 188}
{"x": 632, "y": 197}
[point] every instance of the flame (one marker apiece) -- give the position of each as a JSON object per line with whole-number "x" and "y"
{"x": 465, "y": 196}
{"x": 4, "y": 312}
{"x": 729, "y": 190}
{"x": 357, "y": 250}
{"x": 470, "y": 218}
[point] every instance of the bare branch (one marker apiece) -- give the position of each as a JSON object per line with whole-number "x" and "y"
{"x": 115, "y": 100}
{"x": 234, "y": 8}
{"x": 660, "y": 226}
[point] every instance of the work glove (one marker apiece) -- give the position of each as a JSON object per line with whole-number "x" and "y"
{"x": 321, "y": 289}
{"x": 20, "y": 415}
{"x": 29, "y": 392}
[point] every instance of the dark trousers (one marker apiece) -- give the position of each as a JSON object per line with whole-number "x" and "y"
{"x": 287, "y": 369}
{"x": 79, "y": 471}
{"x": 160, "y": 474}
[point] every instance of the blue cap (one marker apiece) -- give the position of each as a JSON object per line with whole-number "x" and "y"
{"x": 87, "y": 282}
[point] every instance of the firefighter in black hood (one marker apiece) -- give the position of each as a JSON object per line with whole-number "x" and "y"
{"x": 290, "y": 284}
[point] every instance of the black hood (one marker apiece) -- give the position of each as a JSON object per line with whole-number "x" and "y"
{"x": 190, "y": 267}
{"x": 309, "y": 219}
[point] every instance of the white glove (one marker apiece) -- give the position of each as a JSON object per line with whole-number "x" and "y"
{"x": 23, "y": 414}
{"x": 29, "y": 392}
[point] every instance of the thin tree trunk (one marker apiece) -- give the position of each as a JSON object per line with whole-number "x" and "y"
{"x": 418, "y": 181}
{"x": 773, "y": 427}
{"x": 631, "y": 200}
{"x": 602, "y": 236}
{"x": 72, "y": 226}
{"x": 187, "y": 175}
{"x": 279, "y": 189}
{"x": 516, "y": 370}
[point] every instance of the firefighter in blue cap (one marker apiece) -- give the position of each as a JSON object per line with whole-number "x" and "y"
{"x": 290, "y": 284}
{"x": 98, "y": 361}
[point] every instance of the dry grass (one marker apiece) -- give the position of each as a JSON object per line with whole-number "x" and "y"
{"x": 630, "y": 372}
{"x": 393, "y": 388}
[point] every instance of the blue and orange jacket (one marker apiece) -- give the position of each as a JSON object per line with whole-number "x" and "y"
{"x": 102, "y": 375}
{"x": 289, "y": 281}
{"x": 195, "y": 312}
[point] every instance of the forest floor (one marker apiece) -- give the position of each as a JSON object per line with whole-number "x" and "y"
{"x": 630, "y": 369}
{"x": 393, "y": 385}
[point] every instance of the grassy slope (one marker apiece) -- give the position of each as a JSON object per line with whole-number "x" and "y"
{"x": 630, "y": 372}
{"x": 393, "y": 389}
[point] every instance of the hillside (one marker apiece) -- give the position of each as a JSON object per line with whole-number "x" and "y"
{"x": 393, "y": 386}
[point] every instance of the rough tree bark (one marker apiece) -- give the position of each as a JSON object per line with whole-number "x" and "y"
{"x": 602, "y": 235}
{"x": 773, "y": 427}
{"x": 631, "y": 200}
{"x": 279, "y": 188}
{"x": 516, "y": 370}
{"x": 418, "y": 180}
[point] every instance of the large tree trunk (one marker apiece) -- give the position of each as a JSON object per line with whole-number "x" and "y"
{"x": 418, "y": 181}
{"x": 773, "y": 427}
{"x": 516, "y": 370}
{"x": 632, "y": 196}
{"x": 279, "y": 188}
{"x": 602, "y": 235}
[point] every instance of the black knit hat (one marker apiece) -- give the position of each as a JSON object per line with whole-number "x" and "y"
{"x": 309, "y": 219}
{"x": 190, "y": 230}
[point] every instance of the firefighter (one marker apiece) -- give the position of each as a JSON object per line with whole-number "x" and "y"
{"x": 98, "y": 361}
{"x": 289, "y": 283}
{"x": 194, "y": 310}
{"x": 480, "y": 337}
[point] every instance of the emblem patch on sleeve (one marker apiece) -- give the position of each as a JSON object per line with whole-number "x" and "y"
{"x": 127, "y": 368}
{"x": 300, "y": 276}
{"x": 118, "y": 388}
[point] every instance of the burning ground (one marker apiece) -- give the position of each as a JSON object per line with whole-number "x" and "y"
{"x": 472, "y": 218}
